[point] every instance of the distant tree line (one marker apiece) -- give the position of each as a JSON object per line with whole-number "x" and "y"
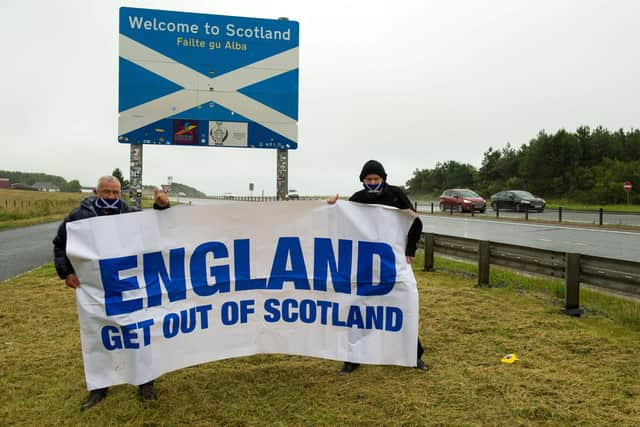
{"x": 117, "y": 173}
{"x": 30, "y": 178}
{"x": 587, "y": 166}
{"x": 189, "y": 191}
{"x": 73, "y": 186}
{"x": 177, "y": 188}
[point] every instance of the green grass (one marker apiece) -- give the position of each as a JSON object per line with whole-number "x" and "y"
{"x": 426, "y": 200}
{"x": 620, "y": 310}
{"x": 24, "y": 208}
{"x": 571, "y": 371}
{"x": 568, "y": 204}
{"x": 19, "y": 208}
{"x": 15, "y": 223}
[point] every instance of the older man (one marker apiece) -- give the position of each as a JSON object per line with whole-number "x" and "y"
{"x": 106, "y": 201}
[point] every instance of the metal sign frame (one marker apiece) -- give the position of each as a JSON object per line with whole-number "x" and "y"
{"x": 207, "y": 80}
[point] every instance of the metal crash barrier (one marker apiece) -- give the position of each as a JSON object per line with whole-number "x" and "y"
{"x": 605, "y": 273}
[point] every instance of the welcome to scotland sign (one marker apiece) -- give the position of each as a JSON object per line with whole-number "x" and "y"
{"x": 163, "y": 290}
{"x": 207, "y": 80}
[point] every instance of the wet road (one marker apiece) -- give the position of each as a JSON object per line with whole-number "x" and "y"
{"x": 603, "y": 243}
{"x": 584, "y": 217}
{"x": 23, "y": 249}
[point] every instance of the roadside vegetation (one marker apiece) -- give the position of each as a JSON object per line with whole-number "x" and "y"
{"x": 622, "y": 310}
{"x": 30, "y": 178}
{"x": 20, "y": 208}
{"x": 571, "y": 371}
{"x": 586, "y": 166}
{"x": 426, "y": 200}
{"x": 568, "y": 204}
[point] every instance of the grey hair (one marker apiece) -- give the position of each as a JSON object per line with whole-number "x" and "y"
{"x": 107, "y": 178}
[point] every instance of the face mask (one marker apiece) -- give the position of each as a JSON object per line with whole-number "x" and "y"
{"x": 105, "y": 203}
{"x": 374, "y": 190}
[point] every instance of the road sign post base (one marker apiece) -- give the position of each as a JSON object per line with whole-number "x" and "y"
{"x": 572, "y": 311}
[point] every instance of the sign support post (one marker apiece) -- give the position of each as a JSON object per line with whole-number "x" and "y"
{"x": 135, "y": 176}
{"x": 627, "y": 187}
{"x": 282, "y": 174}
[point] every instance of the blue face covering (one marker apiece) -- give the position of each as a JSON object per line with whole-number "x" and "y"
{"x": 110, "y": 204}
{"x": 373, "y": 190}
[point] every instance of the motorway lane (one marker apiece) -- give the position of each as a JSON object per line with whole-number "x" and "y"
{"x": 585, "y": 217}
{"x": 23, "y": 249}
{"x": 603, "y": 243}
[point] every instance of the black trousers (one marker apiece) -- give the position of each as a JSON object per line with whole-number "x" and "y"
{"x": 420, "y": 353}
{"x": 107, "y": 388}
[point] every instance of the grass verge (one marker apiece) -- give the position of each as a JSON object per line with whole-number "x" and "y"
{"x": 620, "y": 310}
{"x": 32, "y": 207}
{"x": 533, "y": 220}
{"x": 571, "y": 371}
{"x": 21, "y": 208}
{"x": 567, "y": 204}
{"x": 15, "y": 223}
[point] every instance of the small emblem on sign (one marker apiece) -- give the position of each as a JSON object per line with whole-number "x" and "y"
{"x": 219, "y": 134}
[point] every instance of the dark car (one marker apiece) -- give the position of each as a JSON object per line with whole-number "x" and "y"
{"x": 293, "y": 195}
{"x": 517, "y": 200}
{"x": 462, "y": 200}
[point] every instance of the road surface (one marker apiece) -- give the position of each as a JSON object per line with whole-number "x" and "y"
{"x": 584, "y": 217}
{"x": 603, "y": 243}
{"x": 23, "y": 249}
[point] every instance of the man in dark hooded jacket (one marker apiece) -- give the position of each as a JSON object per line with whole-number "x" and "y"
{"x": 377, "y": 191}
{"x": 106, "y": 201}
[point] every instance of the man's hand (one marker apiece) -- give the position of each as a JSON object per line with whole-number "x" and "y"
{"x": 333, "y": 199}
{"x": 410, "y": 260}
{"x": 160, "y": 198}
{"x": 72, "y": 281}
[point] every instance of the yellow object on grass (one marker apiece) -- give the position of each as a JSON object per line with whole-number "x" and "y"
{"x": 509, "y": 358}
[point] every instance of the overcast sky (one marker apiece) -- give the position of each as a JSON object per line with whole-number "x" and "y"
{"x": 409, "y": 83}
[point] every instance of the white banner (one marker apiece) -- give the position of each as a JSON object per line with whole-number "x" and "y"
{"x": 163, "y": 290}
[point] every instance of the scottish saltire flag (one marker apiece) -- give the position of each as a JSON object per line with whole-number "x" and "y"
{"x": 207, "y": 80}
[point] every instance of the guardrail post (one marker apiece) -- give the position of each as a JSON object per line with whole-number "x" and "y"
{"x": 560, "y": 214}
{"x": 572, "y": 285}
{"x": 451, "y": 210}
{"x": 497, "y": 211}
{"x": 526, "y": 214}
{"x": 483, "y": 264}
{"x": 416, "y": 206}
{"x": 431, "y": 207}
{"x": 601, "y": 215}
{"x": 428, "y": 252}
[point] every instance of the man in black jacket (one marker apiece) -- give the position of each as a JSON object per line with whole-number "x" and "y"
{"x": 106, "y": 201}
{"x": 378, "y": 191}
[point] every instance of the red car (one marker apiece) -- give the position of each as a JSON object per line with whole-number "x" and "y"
{"x": 462, "y": 200}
